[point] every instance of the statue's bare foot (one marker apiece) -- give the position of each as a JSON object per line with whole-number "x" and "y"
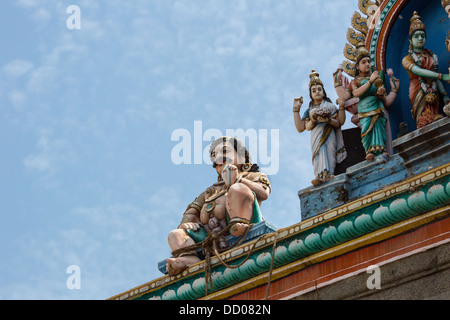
{"x": 370, "y": 157}
{"x": 238, "y": 229}
{"x": 315, "y": 182}
{"x": 327, "y": 178}
{"x": 178, "y": 265}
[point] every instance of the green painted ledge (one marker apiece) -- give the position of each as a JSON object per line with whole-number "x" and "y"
{"x": 407, "y": 199}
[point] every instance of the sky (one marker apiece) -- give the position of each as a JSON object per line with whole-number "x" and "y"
{"x": 93, "y": 116}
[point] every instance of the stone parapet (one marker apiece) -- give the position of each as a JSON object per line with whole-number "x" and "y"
{"x": 425, "y": 148}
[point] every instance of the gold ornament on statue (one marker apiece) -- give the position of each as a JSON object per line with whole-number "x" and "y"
{"x": 446, "y": 6}
{"x": 416, "y": 24}
{"x": 314, "y": 76}
{"x": 431, "y": 98}
{"x": 361, "y": 52}
{"x": 378, "y": 83}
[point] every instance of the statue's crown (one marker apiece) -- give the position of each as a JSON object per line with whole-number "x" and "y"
{"x": 416, "y": 24}
{"x": 361, "y": 52}
{"x": 314, "y": 79}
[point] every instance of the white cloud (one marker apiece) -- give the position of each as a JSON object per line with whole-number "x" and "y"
{"x": 53, "y": 156}
{"x": 17, "y": 68}
{"x": 27, "y": 3}
{"x": 17, "y": 97}
{"x": 39, "y": 162}
{"x": 41, "y": 79}
{"x": 41, "y": 15}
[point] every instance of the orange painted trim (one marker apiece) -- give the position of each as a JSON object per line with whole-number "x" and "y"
{"x": 389, "y": 20}
{"x": 385, "y": 32}
{"x": 351, "y": 263}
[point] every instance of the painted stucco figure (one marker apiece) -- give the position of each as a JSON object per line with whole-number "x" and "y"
{"x": 324, "y": 121}
{"x": 369, "y": 87}
{"x": 425, "y": 89}
{"x": 234, "y": 200}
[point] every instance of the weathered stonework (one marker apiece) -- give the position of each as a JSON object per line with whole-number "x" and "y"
{"x": 425, "y": 148}
{"x": 358, "y": 180}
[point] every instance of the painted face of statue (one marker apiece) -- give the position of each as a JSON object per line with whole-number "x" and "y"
{"x": 317, "y": 93}
{"x": 418, "y": 39}
{"x": 364, "y": 66}
{"x": 224, "y": 154}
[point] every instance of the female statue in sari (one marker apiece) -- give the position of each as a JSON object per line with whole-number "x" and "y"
{"x": 422, "y": 65}
{"x": 324, "y": 121}
{"x": 369, "y": 88}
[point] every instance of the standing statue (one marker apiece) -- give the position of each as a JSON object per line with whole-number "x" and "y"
{"x": 233, "y": 201}
{"x": 369, "y": 88}
{"x": 426, "y": 88}
{"x": 324, "y": 121}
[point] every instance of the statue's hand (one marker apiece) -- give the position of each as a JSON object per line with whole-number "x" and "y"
{"x": 446, "y": 77}
{"x": 324, "y": 119}
{"x": 230, "y": 174}
{"x": 381, "y": 91}
{"x": 374, "y": 76}
{"x": 337, "y": 74}
{"x": 298, "y": 102}
{"x": 395, "y": 83}
{"x": 190, "y": 226}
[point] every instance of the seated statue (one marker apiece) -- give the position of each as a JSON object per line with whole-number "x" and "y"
{"x": 233, "y": 201}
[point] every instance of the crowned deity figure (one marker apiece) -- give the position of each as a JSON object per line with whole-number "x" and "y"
{"x": 233, "y": 201}
{"x": 369, "y": 88}
{"x": 324, "y": 121}
{"x": 426, "y": 88}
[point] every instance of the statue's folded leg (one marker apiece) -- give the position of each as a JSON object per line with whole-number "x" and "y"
{"x": 179, "y": 239}
{"x": 240, "y": 206}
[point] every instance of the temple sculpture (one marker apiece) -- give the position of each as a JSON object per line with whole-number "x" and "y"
{"x": 379, "y": 228}
{"x": 373, "y": 100}
{"x": 324, "y": 121}
{"x": 232, "y": 203}
{"x": 422, "y": 65}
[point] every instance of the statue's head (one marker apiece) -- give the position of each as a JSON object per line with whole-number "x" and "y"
{"x": 418, "y": 39}
{"x": 363, "y": 62}
{"x": 363, "y": 66}
{"x": 317, "y": 91}
{"x": 230, "y": 150}
{"x": 417, "y": 32}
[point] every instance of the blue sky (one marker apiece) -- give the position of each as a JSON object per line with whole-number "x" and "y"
{"x": 87, "y": 117}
